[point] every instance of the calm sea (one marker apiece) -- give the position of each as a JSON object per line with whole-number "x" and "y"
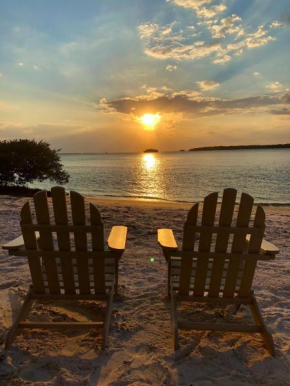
{"x": 182, "y": 176}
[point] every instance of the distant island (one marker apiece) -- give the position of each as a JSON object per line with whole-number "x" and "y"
{"x": 150, "y": 151}
{"x": 242, "y": 147}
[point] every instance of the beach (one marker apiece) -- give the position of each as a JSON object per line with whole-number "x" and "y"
{"x": 140, "y": 350}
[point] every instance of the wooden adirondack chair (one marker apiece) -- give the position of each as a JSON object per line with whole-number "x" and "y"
{"x": 64, "y": 263}
{"x": 219, "y": 265}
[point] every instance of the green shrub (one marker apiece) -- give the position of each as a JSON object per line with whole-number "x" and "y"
{"x": 23, "y": 161}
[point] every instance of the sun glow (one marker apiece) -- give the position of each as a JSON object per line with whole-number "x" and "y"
{"x": 150, "y": 120}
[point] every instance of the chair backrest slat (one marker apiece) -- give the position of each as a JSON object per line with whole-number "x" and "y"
{"x": 30, "y": 242}
{"x": 98, "y": 245}
{"x": 208, "y": 217}
{"x": 188, "y": 236}
{"x": 79, "y": 218}
{"x": 254, "y": 247}
{"x": 63, "y": 238}
{"x": 225, "y": 219}
{"x": 243, "y": 219}
{"x": 46, "y": 240}
{"x": 188, "y": 245}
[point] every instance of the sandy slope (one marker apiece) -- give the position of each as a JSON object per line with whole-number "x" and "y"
{"x": 140, "y": 348}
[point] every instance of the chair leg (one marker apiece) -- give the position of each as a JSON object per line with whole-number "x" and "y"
{"x": 107, "y": 321}
{"x": 24, "y": 311}
{"x": 266, "y": 335}
{"x": 168, "y": 278}
{"x": 168, "y": 261}
{"x": 174, "y": 320}
{"x": 116, "y": 276}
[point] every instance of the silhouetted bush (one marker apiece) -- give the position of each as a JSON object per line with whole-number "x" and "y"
{"x": 23, "y": 161}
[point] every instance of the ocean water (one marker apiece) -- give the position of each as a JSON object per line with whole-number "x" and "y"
{"x": 181, "y": 176}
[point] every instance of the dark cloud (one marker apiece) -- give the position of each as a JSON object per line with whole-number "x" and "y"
{"x": 286, "y": 18}
{"x": 193, "y": 106}
{"x": 284, "y": 111}
{"x": 286, "y": 98}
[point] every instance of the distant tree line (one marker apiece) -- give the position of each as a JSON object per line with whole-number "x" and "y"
{"x": 241, "y": 147}
{"x": 23, "y": 161}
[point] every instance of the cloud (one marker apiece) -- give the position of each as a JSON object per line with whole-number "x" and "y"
{"x": 170, "y": 68}
{"x": 39, "y": 131}
{"x": 149, "y": 30}
{"x": 276, "y": 24}
{"x": 170, "y": 41}
{"x": 8, "y": 107}
{"x": 227, "y": 26}
{"x": 206, "y": 85}
{"x": 256, "y": 73}
{"x": 176, "y": 43}
{"x": 286, "y": 17}
{"x": 258, "y": 38}
{"x": 283, "y": 111}
{"x": 203, "y": 8}
{"x": 193, "y": 104}
{"x": 20, "y": 64}
{"x": 222, "y": 59}
{"x": 210, "y": 12}
{"x": 275, "y": 86}
{"x": 253, "y": 40}
{"x": 190, "y": 95}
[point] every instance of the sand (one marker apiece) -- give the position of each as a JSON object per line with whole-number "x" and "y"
{"x": 140, "y": 342}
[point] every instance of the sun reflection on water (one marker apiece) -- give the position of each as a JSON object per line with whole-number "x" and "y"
{"x": 150, "y": 176}
{"x": 149, "y": 161}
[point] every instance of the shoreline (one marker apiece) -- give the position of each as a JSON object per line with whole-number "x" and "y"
{"x": 154, "y": 202}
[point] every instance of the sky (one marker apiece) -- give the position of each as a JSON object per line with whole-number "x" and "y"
{"x": 126, "y": 75}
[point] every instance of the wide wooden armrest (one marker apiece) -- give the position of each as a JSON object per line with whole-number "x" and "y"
{"x": 117, "y": 238}
{"x": 266, "y": 247}
{"x": 17, "y": 243}
{"x": 166, "y": 239}
{"x": 14, "y": 244}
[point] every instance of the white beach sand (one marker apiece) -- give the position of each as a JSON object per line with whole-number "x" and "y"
{"x": 140, "y": 342}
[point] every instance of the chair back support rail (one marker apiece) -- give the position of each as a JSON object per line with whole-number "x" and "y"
{"x": 216, "y": 259}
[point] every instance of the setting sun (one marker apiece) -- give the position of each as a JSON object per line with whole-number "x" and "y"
{"x": 150, "y": 120}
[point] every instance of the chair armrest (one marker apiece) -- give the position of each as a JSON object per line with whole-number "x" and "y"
{"x": 266, "y": 247}
{"x": 17, "y": 243}
{"x": 117, "y": 238}
{"x": 14, "y": 244}
{"x": 166, "y": 239}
